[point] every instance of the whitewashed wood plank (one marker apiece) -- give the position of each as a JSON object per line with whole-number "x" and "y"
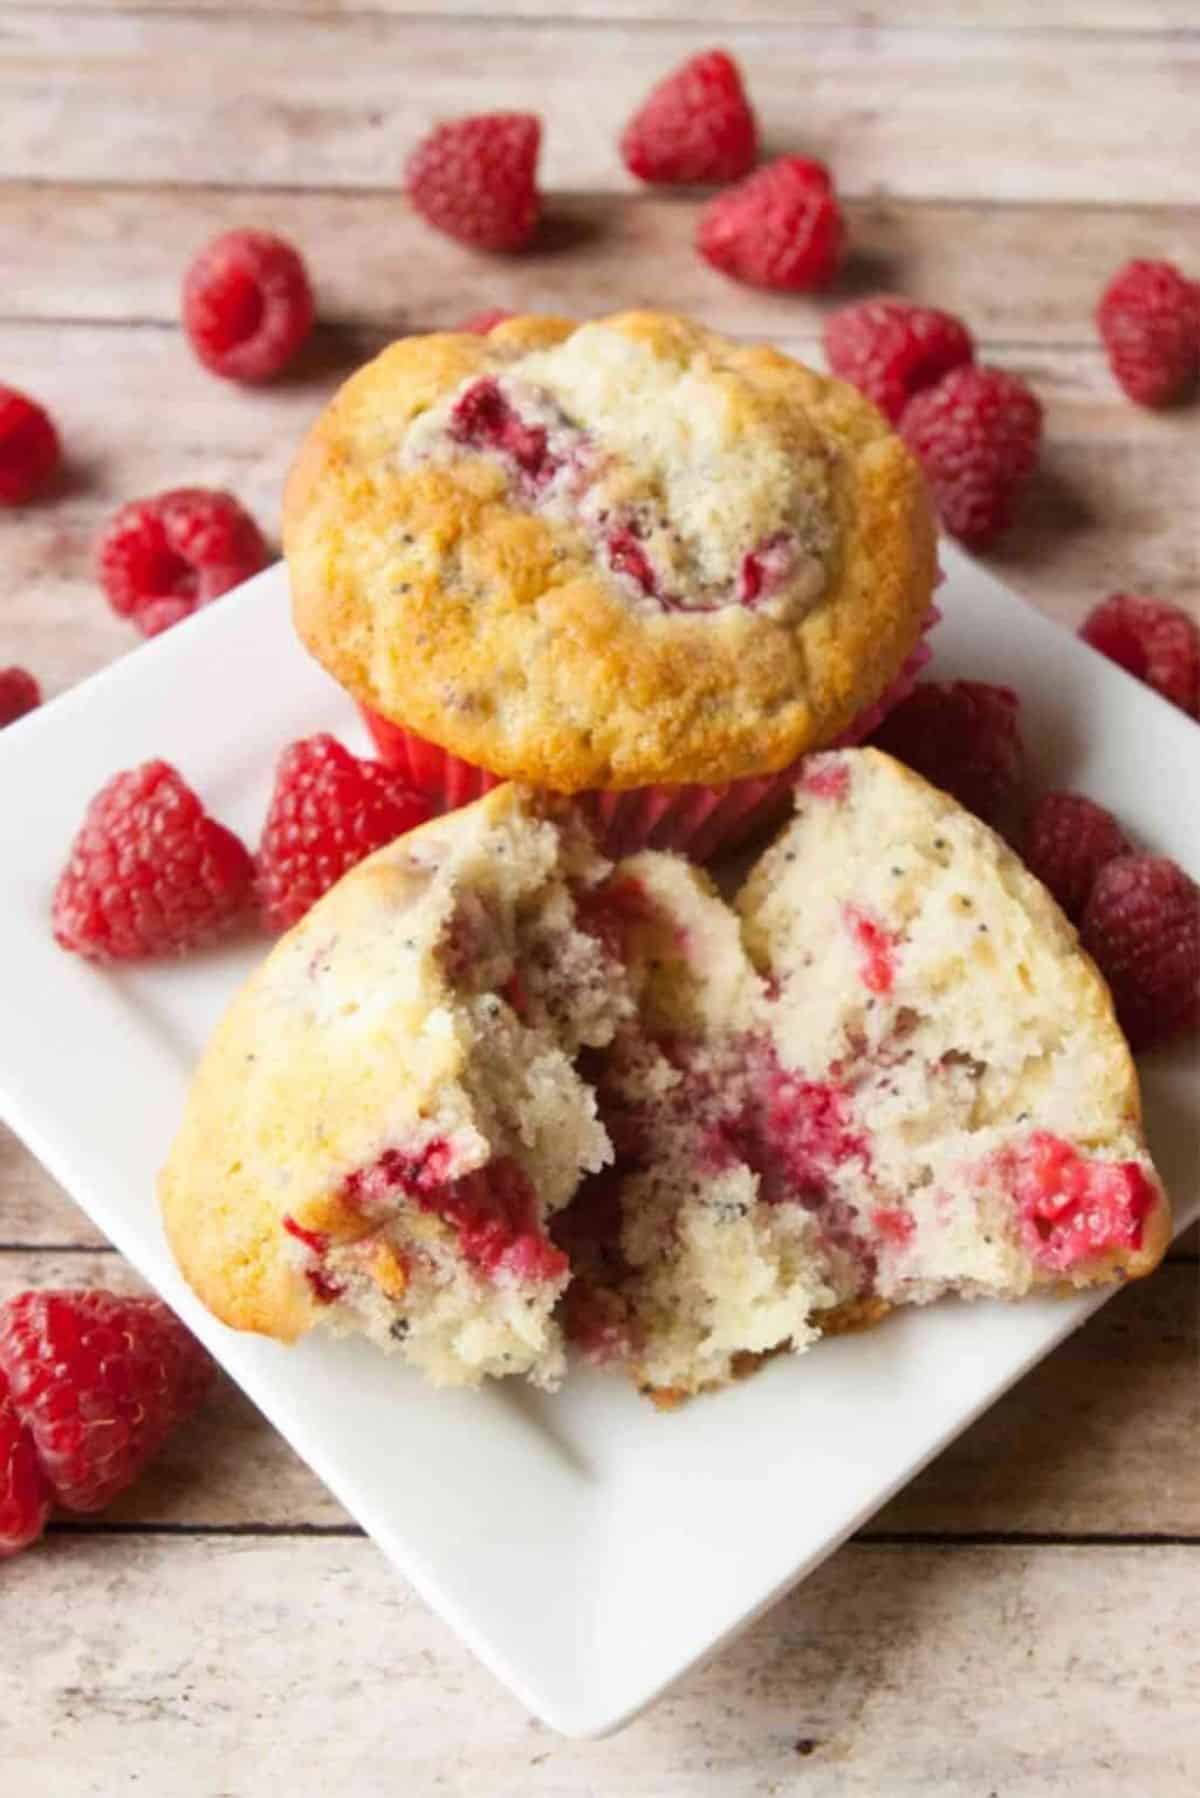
{"x": 119, "y": 253}
{"x": 248, "y": 1667}
{"x": 338, "y": 101}
{"x": 709, "y": 24}
{"x": 1102, "y": 1439}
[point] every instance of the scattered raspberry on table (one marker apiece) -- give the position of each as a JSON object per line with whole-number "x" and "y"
{"x": 694, "y": 126}
{"x": 29, "y": 448}
{"x": 963, "y": 736}
{"x": 247, "y": 305}
{"x": 329, "y": 809}
{"x": 890, "y": 349}
{"x": 150, "y": 873}
{"x": 1149, "y": 322}
{"x": 95, "y": 1384}
{"x": 779, "y": 228}
{"x": 1068, "y": 839}
{"x": 1152, "y": 640}
{"x": 24, "y": 1494}
{"x": 162, "y": 558}
{"x": 19, "y": 693}
{"x": 1141, "y": 926}
{"x": 476, "y": 179}
{"x": 977, "y": 433}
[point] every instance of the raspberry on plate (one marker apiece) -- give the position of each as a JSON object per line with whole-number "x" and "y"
{"x": 1152, "y": 640}
{"x": 977, "y": 434}
{"x": 890, "y": 348}
{"x": 1149, "y": 321}
{"x": 476, "y": 179}
{"x": 29, "y": 447}
{"x": 1068, "y": 839}
{"x": 150, "y": 873}
{"x": 99, "y": 1382}
{"x": 480, "y": 323}
{"x": 247, "y": 305}
{"x": 329, "y": 809}
{"x": 19, "y": 693}
{"x": 1142, "y": 928}
{"x": 161, "y": 559}
{"x": 962, "y": 736}
{"x": 695, "y": 125}
{"x": 24, "y": 1494}
{"x": 779, "y": 228}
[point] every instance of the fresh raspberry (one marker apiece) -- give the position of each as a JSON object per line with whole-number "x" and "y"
{"x": 150, "y": 872}
{"x": 24, "y": 1494}
{"x": 19, "y": 693}
{"x": 476, "y": 179}
{"x": 329, "y": 810}
{"x": 247, "y": 305}
{"x": 1149, "y": 321}
{"x": 1152, "y": 640}
{"x": 480, "y": 323}
{"x": 29, "y": 447}
{"x": 696, "y": 125}
{"x": 889, "y": 349}
{"x": 781, "y": 227}
{"x": 1141, "y": 926}
{"x": 1068, "y": 839}
{"x": 977, "y": 433}
{"x": 963, "y": 737}
{"x": 163, "y": 558}
{"x": 99, "y": 1381}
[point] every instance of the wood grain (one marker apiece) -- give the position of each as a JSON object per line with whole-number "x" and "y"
{"x": 119, "y": 253}
{"x": 712, "y": 22}
{"x": 326, "y": 100}
{"x": 306, "y": 1666}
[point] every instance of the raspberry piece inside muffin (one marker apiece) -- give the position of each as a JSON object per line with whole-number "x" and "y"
{"x": 631, "y": 482}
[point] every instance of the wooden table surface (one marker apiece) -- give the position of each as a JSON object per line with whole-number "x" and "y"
{"x": 1025, "y": 1619}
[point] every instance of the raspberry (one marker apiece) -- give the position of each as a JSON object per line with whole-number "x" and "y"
{"x": 1152, "y": 640}
{"x": 475, "y": 179}
{"x": 163, "y": 558}
{"x": 99, "y": 1382}
{"x": 150, "y": 872}
{"x": 329, "y": 810}
{"x": 29, "y": 447}
{"x": 780, "y": 228}
{"x": 1068, "y": 839}
{"x": 480, "y": 323}
{"x": 696, "y": 125}
{"x": 889, "y": 349}
{"x": 19, "y": 693}
{"x": 963, "y": 737}
{"x": 247, "y": 305}
{"x": 977, "y": 434}
{"x": 24, "y": 1494}
{"x": 1149, "y": 321}
{"x": 1141, "y": 927}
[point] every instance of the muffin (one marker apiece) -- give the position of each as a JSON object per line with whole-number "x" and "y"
{"x": 389, "y": 1112}
{"x": 493, "y": 1092}
{"x": 901, "y": 1078}
{"x": 627, "y": 560}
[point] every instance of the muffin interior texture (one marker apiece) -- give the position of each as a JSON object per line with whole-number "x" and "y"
{"x": 595, "y": 1103}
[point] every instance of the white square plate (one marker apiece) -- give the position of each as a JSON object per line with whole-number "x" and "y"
{"x": 588, "y": 1548}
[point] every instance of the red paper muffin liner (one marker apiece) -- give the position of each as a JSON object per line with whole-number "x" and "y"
{"x": 697, "y": 820}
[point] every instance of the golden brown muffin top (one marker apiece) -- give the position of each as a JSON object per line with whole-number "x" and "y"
{"x": 609, "y": 554}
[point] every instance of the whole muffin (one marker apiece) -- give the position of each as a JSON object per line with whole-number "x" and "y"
{"x": 626, "y": 559}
